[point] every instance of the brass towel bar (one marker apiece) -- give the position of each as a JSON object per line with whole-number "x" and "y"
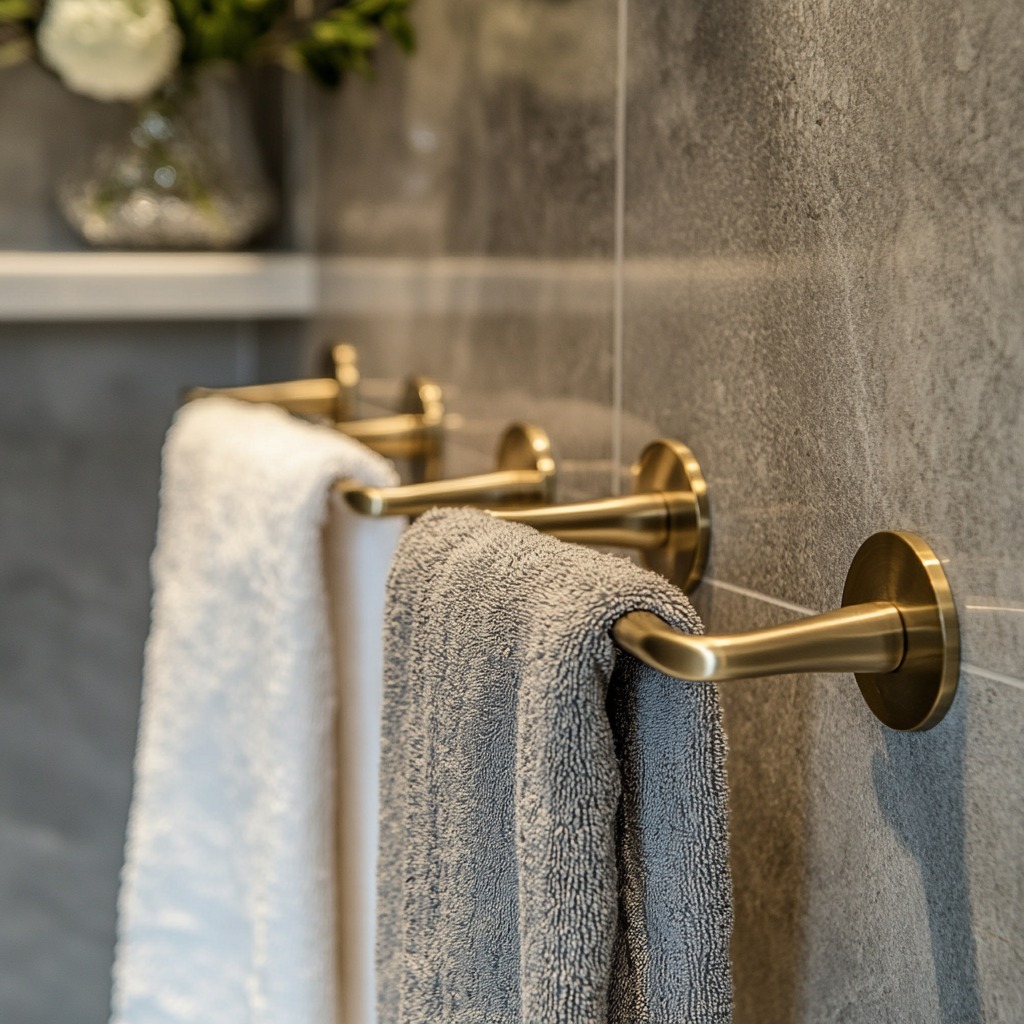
{"x": 897, "y": 630}
{"x": 666, "y": 517}
{"x": 525, "y": 476}
{"x": 329, "y": 398}
{"x": 415, "y": 432}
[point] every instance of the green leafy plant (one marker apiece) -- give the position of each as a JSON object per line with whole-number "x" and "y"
{"x": 345, "y": 38}
{"x": 327, "y": 41}
{"x": 18, "y": 19}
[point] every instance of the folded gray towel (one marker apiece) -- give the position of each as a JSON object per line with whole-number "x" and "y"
{"x": 554, "y": 819}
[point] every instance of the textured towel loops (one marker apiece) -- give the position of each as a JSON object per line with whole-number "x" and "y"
{"x": 554, "y": 818}
{"x": 226, "y": 911}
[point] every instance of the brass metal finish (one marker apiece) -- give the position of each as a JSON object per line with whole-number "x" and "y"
{"x": 902, "y": 568}
{"x": 669, "y": 468}
{"x": 667, "y": 517}
{"x": 332, "y": 398}
{"x": 346, "y": 375}
{"x": 897, "y": 630}
{"x": 525, "y": 476}
{"x": 416, "y": 431}
{"x": 866, "y": 637}
{"x": 315, "y": 397}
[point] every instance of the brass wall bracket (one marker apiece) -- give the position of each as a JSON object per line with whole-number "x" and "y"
{"x": 525, "y": 476}
{"x": 667, "y": 517}
{"x": 897, "y": 631}
{"x": 330, "y": 398}
{"x": 900, "y": 568}
{"x": 416, "y": 432}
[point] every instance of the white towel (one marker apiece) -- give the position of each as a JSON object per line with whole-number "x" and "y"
{"x": 227, "y": 904}
{"x": 357, "y": 576}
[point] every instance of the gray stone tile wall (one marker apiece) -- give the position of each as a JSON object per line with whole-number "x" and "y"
{"x": 821, "y": 292}
{"x": 497, "y": 138}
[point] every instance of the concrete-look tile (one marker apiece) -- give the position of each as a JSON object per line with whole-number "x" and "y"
{"x": 496, "y": 136}
{"x": 877, "y": 875}
{"x": 74, "y": 603}
{"x": 77, "y": 531}
{"x": 994, "y": 842}
{"x": 85, "y": 379}
{"x": 914, "y": 898}
{"x": 825, "y": 235}
{"x": 507, "y": 340}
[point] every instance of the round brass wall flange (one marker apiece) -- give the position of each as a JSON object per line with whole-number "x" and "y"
{"x": 527, "y": 446}
{"x": 901, "y": 568}
{"x": 670, "y": 468}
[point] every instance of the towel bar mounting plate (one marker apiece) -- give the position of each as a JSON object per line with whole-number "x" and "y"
{"x": 897, "y": 633}
{"x": 901, "y": 568}
{"x": 669, "y": 467}
{"x": 525, "y": 446}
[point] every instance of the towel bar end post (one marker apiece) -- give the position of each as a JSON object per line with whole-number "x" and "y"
{"x": 900, "y": 567}
{"x": 897, "y": 632}
{"x": 671, "y": 469}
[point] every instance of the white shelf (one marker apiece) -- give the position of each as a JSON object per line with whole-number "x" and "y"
{"x": 67, "y": 286}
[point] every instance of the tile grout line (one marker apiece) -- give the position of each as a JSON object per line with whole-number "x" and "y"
{"x": 966, "y": 667}
{"x": 986, "y": 673}
{"x": 618, "y": 345}
{"x": 756, "y": 595}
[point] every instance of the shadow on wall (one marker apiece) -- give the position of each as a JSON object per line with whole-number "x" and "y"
{"x": 768, "y": 732}
{"x": 920, "y": 785}
{"x": 780, "y": 887}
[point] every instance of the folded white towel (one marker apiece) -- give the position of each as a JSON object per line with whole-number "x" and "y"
{"x": 227, "y": 905}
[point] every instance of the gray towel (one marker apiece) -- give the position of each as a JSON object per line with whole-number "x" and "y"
{"x": 554, "y": 820}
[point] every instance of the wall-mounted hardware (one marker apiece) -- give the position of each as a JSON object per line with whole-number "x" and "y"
{"x": 329, "y": 398}
{"x": 525, "y": 476}
{"x": 667, "y": 517}
{"x": 897, "y": 631}
{"x": 416, "y": 432}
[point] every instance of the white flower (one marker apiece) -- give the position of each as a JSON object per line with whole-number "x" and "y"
{"x": 110, "y": 49}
